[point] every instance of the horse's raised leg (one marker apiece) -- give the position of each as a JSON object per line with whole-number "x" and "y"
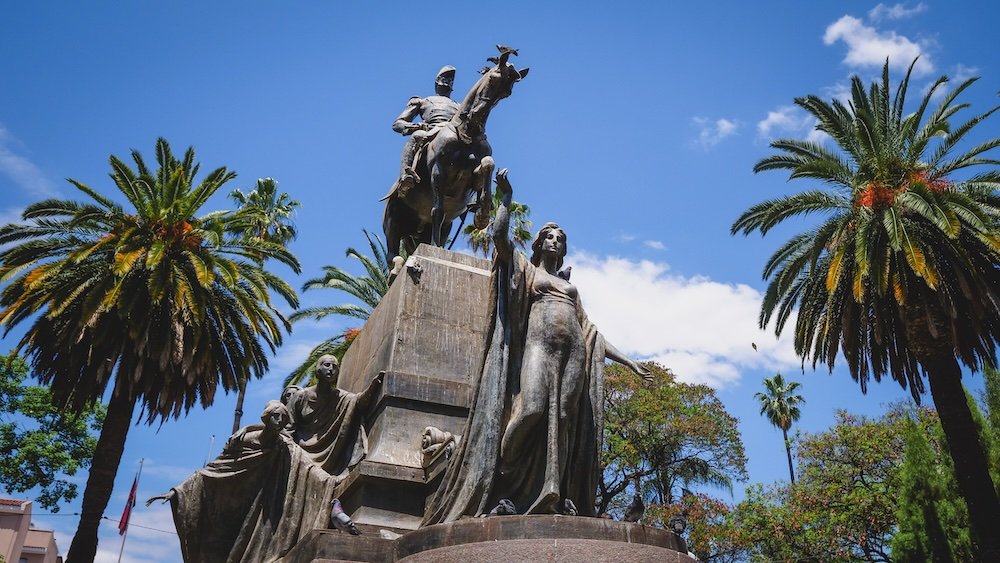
{"x": 484, "y": 174}
{"x": 391, "y": 226}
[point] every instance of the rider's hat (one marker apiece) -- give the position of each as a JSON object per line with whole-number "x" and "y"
{"x": 446, "y": 69}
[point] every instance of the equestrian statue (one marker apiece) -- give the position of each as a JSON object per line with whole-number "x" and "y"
{"x": 447, "y": 166}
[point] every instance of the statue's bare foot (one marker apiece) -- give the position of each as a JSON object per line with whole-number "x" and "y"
{"x": 569, "y": 509}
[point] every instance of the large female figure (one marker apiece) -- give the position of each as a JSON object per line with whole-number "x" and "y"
{"x": 535, "y": 425}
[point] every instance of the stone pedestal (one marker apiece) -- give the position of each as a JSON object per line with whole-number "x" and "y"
{"x": 427, "y": 335}
{"x": 501, "y": 539}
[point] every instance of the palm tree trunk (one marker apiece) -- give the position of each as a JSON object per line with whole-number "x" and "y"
{"x": 967, "y": 453}
{"x": 238, "y": 413}
{"x": 788, "y": 452}
{"x": 101, "y": 481}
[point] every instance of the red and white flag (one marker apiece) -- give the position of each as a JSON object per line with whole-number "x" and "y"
{"x": 123, "y": 523}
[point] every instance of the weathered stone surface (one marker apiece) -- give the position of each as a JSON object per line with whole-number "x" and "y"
{"x": 427, "y": 335}
{"x": 505, "y": 538}
{"x": 431, "y": 323}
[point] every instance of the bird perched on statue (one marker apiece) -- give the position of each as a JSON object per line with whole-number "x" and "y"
{"x": 341, "y": 520}
{"x": 505, "y": 49}
{"x": 504, "y": 508}
{"x": 635, "y": 510}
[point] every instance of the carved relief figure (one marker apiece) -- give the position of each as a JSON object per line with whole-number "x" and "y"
{"x": 327, "y": 421}
{"x": 535, "y": 425}
{"x": 253, "y": 502}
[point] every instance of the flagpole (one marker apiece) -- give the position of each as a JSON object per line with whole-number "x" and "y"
{"x": 135, "y": 487}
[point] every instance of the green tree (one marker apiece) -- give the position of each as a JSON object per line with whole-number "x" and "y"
{"x": 780, "y": 404}
{"x": 933, "y": 524}
{"x": 901, "y": 274}
{"x": 991, "y": 400}
{"x": 154, "y": 304}
{"x": 263, "y": 215}
{"x": 481, "y": 240}
{"x": 667, "y": 435}
{"x": 367, "y": 289}
{"x": 40, "y": 443}
{"x": 842, "y": 507}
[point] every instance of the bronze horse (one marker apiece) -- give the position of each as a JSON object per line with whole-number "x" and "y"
{"x": 454, "y": 168}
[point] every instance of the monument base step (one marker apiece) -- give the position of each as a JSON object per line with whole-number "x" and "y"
{"x": 500, "y": 539}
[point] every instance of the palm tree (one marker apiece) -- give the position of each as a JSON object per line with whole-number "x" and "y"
{"x": 368, "y": 289}
{"x": 481, "y": 240}
{"x": 264, "y": 215}
{"x": 901, "y": 275}
{"x": 152, "y": 303}
{"x": 780, "y": 404}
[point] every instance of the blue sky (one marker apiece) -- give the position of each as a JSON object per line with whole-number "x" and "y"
{"x": 636, "y": 130}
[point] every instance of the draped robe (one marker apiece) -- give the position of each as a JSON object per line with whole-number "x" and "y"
{"x": 252, "y": 506}
{"x": 472, "y": 483}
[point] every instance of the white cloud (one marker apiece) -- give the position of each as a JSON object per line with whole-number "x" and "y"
{"x": 790, "y": 121}
{"x": 712, "y": 132}
{"x": 963, "y": 73}
{"x": 654, "y": 244}
{"x": 624, "y": 237}
{"x": 784, "y": 120}
{"x": 895, "y": 12}
{"x": 20, "y": 170}
{"x": 839, "y": 91}
{"x": 869, "y": 47}
{"x": 959, "y": 74}
{"x": 817, "y": 136}
{"x": 702, "y": 329}
{"x": 151, "y": 535}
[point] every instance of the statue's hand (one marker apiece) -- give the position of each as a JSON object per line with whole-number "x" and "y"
{"x": 164, "y": 497}
{"x": 647, "y": 376}
{"x": 503, "y": 184}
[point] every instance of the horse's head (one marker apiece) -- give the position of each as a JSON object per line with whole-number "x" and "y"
{"x": 496, "y": 84}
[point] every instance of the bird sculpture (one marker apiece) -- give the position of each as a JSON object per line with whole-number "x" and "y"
{"x": 634, "y": 511}
{"x": 341, "y": 520}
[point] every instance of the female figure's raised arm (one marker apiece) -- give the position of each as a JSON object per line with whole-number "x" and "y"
{"x": 501, "y": 221}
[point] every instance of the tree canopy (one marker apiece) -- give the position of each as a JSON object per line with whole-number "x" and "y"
{"x": 41, "y": 444}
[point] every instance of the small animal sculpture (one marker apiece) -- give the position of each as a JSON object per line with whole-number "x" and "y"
{"x": 341, "y": 520}
{"x": 635, "y": 510}
{"x": 504, "y": 508}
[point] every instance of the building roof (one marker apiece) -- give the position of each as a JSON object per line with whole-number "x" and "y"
{"x": 22, "y": 504}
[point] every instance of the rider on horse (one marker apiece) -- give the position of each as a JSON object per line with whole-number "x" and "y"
{"x": 434, "y": 111}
